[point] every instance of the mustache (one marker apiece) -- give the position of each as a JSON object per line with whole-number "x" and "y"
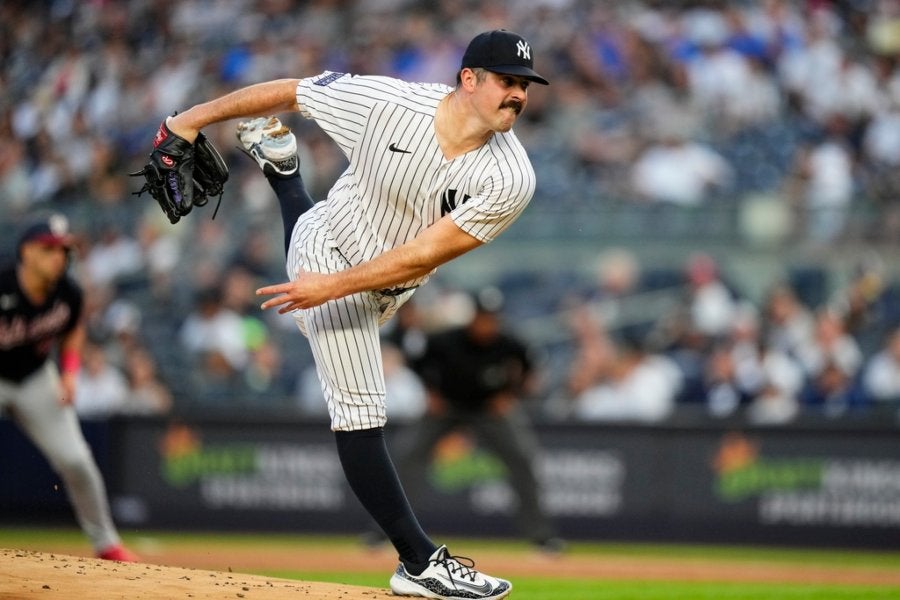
{"x": 513, "y": 104}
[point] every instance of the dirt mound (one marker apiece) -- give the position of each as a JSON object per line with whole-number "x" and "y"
{"x": 27, "y": 574}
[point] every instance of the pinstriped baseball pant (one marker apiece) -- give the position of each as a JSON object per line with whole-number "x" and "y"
{"x": 343, "y": 333}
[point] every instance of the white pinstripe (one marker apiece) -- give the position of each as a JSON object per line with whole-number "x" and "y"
{"x": 384, "y": 199}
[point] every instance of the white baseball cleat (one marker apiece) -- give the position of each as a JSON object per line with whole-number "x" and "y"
{"x": 446, "y": 578}
{"x": 271, "y": 144}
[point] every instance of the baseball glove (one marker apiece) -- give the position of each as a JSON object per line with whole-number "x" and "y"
{"x": 181, "y": 175}
{"x": 210, "y": 172}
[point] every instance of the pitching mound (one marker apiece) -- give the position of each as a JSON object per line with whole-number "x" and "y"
{"x": 26, "y": 574}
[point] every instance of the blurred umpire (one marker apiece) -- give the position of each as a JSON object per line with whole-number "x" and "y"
{"x": 41, "y": 335}
{"x": 476, "y": 376}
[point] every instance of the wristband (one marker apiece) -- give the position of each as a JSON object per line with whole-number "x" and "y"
{"x": 70, "y": 361}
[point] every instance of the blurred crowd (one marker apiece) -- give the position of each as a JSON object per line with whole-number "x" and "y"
{"x": 802, "y": 350}
{"x": 790, "y": 107}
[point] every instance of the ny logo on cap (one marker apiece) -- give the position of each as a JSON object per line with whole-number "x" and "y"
{"x": 522, "y": 50}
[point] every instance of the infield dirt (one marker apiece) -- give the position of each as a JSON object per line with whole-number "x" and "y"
{"x": 26, "y": 575}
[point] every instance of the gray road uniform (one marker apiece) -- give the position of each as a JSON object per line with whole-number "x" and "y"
{"x": 30, "y": 394}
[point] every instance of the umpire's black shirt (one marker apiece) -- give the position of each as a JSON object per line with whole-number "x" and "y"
{"x": 468, "y": 374}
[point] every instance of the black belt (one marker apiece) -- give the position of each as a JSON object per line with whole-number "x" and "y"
{"x": 395, "y": 291}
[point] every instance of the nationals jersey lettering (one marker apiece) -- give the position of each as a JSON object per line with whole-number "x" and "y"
{"x": 398, "y": 181}
{"x": 28, "y": 331}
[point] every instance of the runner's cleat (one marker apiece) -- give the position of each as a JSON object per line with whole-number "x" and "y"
{"x": 119, "y": 553}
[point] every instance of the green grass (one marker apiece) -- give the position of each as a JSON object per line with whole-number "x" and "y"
{"x": 548, "y": 588}
{"x": 578, "y": 589}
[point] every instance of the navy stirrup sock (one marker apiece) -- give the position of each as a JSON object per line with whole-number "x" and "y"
{"x": 373, "y": 479}
{"x": 293, "y": 199}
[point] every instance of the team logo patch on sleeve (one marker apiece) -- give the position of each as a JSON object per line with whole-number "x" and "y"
{"x": 327, "y": 79}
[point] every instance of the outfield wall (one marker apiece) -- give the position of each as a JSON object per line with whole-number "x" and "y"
{"x": 810, "y": 485}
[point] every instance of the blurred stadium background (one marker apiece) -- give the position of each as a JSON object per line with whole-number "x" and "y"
{"x": 718, "y": 202}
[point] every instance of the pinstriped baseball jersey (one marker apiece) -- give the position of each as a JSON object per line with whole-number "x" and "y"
{"x": 398, "y": 181}
{"x": 397, "y": 184}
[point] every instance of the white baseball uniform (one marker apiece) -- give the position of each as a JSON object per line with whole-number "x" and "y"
{"x": 397, "y": 184}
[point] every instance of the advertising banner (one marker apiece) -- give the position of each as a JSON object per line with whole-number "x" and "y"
{"x": 705, "y": 484}
{"x": 232, "y": 476}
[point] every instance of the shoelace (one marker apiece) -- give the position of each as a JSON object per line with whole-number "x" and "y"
{"x": 463, "y": 565}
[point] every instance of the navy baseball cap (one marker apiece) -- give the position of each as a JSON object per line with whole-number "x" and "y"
{"x": 501, "y": 51}
{"x": 52, "y": 230}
